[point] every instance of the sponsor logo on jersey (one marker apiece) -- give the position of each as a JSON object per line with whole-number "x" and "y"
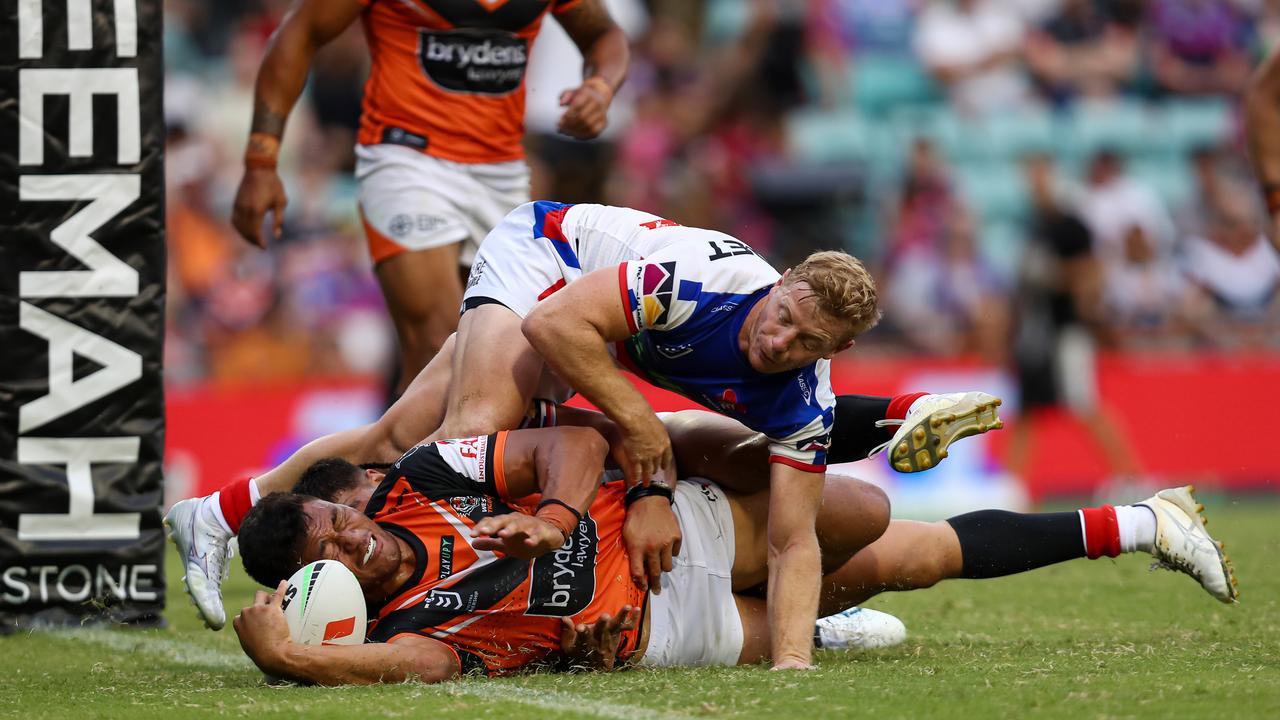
{"x": 708, "y": 492}
{"x": 445, "y": 557}
{"x": 657, "y": 290}
{"x": 482, "y": 62}
{"x": 471, "y": 505}
{"x": 804, "y": 390}
{"x": 671, "y": 352}
{"x": 816, "y": 444}
{"x": 724, "y": 307}
{"x": 660, "y": 223}
{"x": 726, "y": 402}
{"x": 564, "y": 582}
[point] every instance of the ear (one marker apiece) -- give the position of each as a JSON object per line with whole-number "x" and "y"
{"x": 841, "y": 348}
{"x": 785, "y": 274}
{"x": 374, "y": 477}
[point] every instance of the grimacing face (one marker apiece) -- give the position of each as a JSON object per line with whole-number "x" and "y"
{"x": 338, "y": 532}
{"x": 789, "y": 332}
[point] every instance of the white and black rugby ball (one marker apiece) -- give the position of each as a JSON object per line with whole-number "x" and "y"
{"x": 324, "y": 605}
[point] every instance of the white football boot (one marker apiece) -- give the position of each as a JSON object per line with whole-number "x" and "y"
{"x": 858, "y": 629}
{"x": 205, "y": 549}
{"x": 1183, "y": 544}
{"x": 933, "y": 424}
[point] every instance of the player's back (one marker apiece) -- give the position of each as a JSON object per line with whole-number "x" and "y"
{"x": 606, "y": 236}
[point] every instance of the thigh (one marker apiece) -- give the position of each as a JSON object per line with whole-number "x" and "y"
{"x": 422, "y": 286}
{"x": 494, "y": 373}
{"x": 719, "y": 448}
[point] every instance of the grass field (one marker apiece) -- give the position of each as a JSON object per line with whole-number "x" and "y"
{"x": 1087, "y": 639}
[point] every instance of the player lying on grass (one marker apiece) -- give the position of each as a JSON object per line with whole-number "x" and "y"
{"x": 534, "y": 538}
{"x": 691, "y": 310}
{"x": 202, "y": 527}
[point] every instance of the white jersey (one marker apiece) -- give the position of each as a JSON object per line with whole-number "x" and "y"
{"x": 686, "y": 291}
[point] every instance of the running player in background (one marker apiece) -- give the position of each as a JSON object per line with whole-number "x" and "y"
{"x": 440, "y": 158}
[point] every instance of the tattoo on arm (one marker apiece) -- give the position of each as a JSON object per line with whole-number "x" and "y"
{"x": 266, "y": 120}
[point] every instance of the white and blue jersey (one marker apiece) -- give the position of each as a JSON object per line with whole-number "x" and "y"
{"x": 687, "y": 292}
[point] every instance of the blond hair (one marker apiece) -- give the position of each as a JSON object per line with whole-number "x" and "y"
{"x": 842, "y": 287}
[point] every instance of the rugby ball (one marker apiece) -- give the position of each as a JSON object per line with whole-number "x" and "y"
{"x": 324, "y": 605}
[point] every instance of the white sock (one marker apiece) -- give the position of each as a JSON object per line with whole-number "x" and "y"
{"x": 1137, "y": 525}
{"x": 211, "y": 510}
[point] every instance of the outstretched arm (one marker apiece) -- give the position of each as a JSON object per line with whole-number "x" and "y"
{"x": 795, "y": 564}
{"x": 264, "y": 635}
{"x": 1262, "y": 115}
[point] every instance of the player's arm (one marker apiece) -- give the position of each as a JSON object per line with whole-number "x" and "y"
{"x": 306, "y": 27}
{"x": 605, "y": 57}
{"x": 570, "y": 330}
{"x": 264, "y": 635}
{"x": 795, "y": 563}
{"x": 1262, "y": 116}
{"x": 562, "y": 463}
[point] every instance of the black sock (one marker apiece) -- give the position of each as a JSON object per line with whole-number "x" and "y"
{"x": 996, "y": 542}
{"x": 854, "y": 431}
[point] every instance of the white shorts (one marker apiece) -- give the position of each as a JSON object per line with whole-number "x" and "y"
{"x": 694, "y": 621}
{"x": 515, "y": 268}
{"x": 412, "y": 201}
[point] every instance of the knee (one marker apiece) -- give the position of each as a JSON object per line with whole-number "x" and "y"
{"x": 854, "y": 514}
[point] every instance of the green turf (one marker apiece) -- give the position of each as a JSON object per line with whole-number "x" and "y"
{"x": 1100, "y": 639}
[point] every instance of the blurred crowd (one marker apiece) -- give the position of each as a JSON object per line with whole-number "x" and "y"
{"x": 1014, "y": 171}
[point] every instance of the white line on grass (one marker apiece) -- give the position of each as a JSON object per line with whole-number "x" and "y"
{"x": 151, "y": 643}
{"x": 187, "y": 653}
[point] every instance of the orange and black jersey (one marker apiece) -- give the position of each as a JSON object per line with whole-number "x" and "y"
{"x": 448, "y": 75}
{"x": 499, "y": 613}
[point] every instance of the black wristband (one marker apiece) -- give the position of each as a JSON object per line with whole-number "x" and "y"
{"x": 561, "y": 503}
{"x": 640, "y": 491}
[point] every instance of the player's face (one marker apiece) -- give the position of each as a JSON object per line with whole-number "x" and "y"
{"x": 357, "y": 496}
{"x": 338, "y": 532}
{"x": 789, "y": 332}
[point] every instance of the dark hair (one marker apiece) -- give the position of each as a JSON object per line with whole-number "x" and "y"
{"x": 328, "y": 477}
{"x": 271, "y": 537}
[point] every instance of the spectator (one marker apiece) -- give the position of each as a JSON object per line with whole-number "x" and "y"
{"x": 1113, "y": 204}
{"x": 1083, "y": 51}
{"x": 973, "y": 48}
{"x": 1237, "y": 273}
{"x": 1199, "y": 47}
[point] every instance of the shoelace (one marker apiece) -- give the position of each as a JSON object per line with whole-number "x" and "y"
{"x": 882, "y": 446}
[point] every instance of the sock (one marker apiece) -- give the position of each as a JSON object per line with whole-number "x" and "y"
{"x": 902, "y": 405}
{"x": 1137, "y": 525}
{"x": 854, "y": 432}
{"x": 994, "y": 543}
{"x": 231, "y": 503}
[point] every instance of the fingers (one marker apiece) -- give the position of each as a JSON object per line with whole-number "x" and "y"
{"x": 665, "y": 555}
{"x": 637, "y": 571}
{"x": 277, "y": 216}
{"x": 261, "y": 597}
{"x": 653, "y": 569}
{"x": 566, "y": 97}
{"x": 676, "y": 542}
{"x": 278, "y": 596}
